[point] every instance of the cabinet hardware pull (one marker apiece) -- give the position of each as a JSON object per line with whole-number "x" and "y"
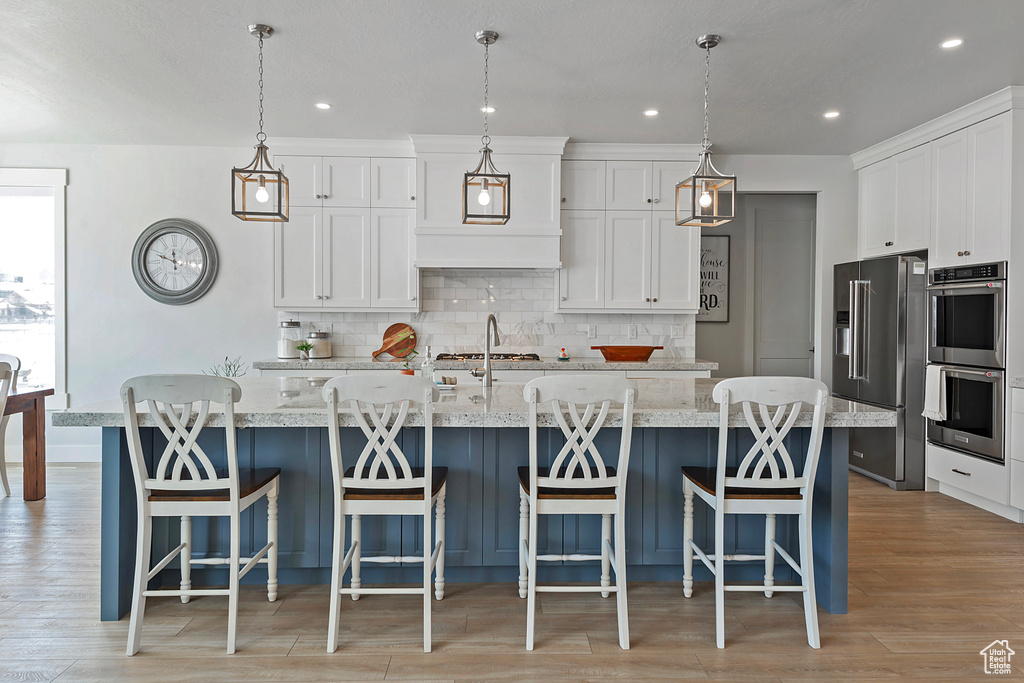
{"x": 563, "y": 298}
{"x": 648, "y": 299}
{"x": 648, "y": 200}
{"x": 319, "y": 196}
{"x": 326, "y": 297}
{"x": 655, "y": 299}
{"x": 563, "y": 200}
{"x": 412, "y": 198}
{"x": 967, "y": 253}
{"x": 966, "y": 474}
{"x": 959, "y": 253}
{"x": 656, "y": 201}
{"x": 319, "y": 296}
{"x": 412, "y": 298}
{"x": 888, "y": 244}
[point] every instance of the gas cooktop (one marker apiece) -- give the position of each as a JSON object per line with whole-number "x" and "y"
{"x": 494, "y": 356}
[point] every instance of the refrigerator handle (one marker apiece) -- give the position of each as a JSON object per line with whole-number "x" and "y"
{"x": 856, "y": 367}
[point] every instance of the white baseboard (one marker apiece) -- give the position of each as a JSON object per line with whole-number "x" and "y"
{"x": 1011, "y": 513}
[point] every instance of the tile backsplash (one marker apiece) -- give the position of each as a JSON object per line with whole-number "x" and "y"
{"x": 456, "y": 303}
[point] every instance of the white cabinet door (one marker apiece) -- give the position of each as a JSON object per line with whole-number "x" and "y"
{"x": 913, "y": 198}
{"x": 675, "y": 264}
{"x": 628, "y": 185}
{"x": 581, "y": 278}
{"x": 298, "y": 269}
{"x": 395, "y": 283}
{"x": 949, "y": 199}
{"x": 393, "y": 183}
{"x": 346, "y": 181}
{"x": 628, "y": 259}
{"x": 583, "y": 185}
{"x": 305, "y": 179}
{"x": 668, "y": 174}
{"x": 346, "y": 249}
{"x": 877, "y": 208}
{"x": 987, "y": 233}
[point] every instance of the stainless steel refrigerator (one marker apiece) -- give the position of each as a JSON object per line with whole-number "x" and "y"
{"x": 880, "y": 327}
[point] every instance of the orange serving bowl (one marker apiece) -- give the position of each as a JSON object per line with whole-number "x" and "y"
{"x": 626, "y": 353}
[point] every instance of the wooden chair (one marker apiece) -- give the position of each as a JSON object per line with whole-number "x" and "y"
{"x": 764, "y": 483}
{"x": 578, "y": 482}
{"x": 15, "y": 367}
{"x": 381, "y": 482}
{"x": 185, "y": 484}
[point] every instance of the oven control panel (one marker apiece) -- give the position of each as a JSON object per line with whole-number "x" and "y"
{"x": 987, "y": 271}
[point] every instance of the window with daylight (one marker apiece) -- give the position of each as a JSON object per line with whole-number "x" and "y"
{"x": 32, "y": 276}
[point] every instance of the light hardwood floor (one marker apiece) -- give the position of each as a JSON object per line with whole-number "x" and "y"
{"x": 932, "y": 582}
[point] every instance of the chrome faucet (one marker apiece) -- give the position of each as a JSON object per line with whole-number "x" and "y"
{"x": 485, "y": 372}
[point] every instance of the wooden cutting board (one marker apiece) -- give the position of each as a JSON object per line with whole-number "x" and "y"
{"x": 399, "y": 341}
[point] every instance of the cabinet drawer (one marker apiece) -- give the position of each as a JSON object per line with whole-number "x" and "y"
{"x": 980, "y": 477}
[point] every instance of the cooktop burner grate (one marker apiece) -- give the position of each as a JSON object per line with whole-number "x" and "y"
{"x": 494, "y": 356}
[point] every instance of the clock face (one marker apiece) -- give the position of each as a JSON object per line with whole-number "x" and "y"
{"x": 174, "y": 261}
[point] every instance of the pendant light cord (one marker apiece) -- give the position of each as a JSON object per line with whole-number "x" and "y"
{"x": 261, "y": 137}
{"x": 706, "y": 143}
{"x": 486, "y": 139}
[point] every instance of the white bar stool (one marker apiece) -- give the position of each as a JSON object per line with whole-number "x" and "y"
{"x": 381, "y": 482}
{"x": 15, "y": 367}
{"x": 186, "y": 484}
{"x": 577, "y": 483}
{"x": 764, "y": 483}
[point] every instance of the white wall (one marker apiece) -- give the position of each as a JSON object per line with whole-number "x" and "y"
{"x": 114, "y": 192}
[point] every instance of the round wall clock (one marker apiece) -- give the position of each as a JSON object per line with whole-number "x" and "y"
{"x": 174, "y": 261}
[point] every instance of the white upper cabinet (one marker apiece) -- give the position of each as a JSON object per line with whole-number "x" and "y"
{"x": 674, "y": 285}
{"x": 628, "y": 259}
{"x": 583, "y": 185}
{"x": 628, "y": 185}
{"x": 581, "y": 278}
{"x": 346, "y": 258}
{"x": 393, "y": 243}
{"x": 298, "y": 268}
{"x": 393, "y": 183}
{"x": 971, "y": 196}
{"x": 895, "y": 203}
{"x": 668, "y": 174}
{"x": 326, "y": 181}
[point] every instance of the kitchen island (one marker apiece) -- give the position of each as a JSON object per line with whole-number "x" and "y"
{"x": 481, "y": 437}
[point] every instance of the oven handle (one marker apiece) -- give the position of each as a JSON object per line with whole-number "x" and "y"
{"x": 954, "y": 370}
{"x": 980, "y": 286}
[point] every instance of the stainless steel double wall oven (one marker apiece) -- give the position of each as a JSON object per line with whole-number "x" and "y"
{"x": 967, "y": 340}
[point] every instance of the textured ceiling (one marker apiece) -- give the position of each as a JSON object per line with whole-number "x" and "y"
{"x": 184, "y": 71}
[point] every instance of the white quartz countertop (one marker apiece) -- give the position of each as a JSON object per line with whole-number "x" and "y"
{"x": 298, "y": 402}
{"x": 1017, "y": 382}
{"x": 578, "y": 364}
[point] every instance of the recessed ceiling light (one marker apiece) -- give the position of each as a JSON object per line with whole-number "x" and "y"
{"x": 487, "y": 110}
{"x": 322, "y": 105}
{"x": 831, "y": 114}
{"x": 952, "y": 42}
{"x": 651, "y": 112}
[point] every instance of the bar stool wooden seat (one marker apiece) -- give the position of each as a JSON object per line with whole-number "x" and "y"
{"x": 578, "y": 482}
{"x": 764, "y": 483}
{"x": 382, "y": 482}
{"x": 15, "y": 367}
{"x": 185, "y": 484}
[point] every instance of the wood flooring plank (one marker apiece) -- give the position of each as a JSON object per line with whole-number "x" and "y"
{"x": 142, "y": 669}
{"x": 621, "y": 666}
{"x": 33, "y": 670}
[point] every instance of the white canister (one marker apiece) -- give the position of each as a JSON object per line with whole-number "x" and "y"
{"x": 321, "y": 342}
{"x": 288, "y": 338}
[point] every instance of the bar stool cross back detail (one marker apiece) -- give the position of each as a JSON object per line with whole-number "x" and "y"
{"x": 185, "y": 483}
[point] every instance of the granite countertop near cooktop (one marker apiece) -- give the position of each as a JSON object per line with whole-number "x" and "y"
{"x": 298, "y": 402}
{"x": 579, "y": 364}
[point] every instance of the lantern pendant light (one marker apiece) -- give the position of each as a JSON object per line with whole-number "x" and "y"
{"x": 485, "y": 188}
{"x": 708, "y": 197}
{"x": 259, "y": 192}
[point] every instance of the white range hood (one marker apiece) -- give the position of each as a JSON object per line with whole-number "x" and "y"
{"x": 532, "y": 235}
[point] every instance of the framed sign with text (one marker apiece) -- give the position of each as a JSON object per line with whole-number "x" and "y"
{"x": 714, "y": 279}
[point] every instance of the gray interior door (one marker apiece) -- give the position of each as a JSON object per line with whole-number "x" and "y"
{"x": 784, "y": 285}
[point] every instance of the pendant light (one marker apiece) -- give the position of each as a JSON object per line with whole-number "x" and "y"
{"x": 259, "y": 192}
{"x": 485, "y": 188}
{"x": 707, "y": 198}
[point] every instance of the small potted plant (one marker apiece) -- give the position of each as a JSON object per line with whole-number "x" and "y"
{"x": 407, "y": 369}
{"x": 304, "y": 347}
